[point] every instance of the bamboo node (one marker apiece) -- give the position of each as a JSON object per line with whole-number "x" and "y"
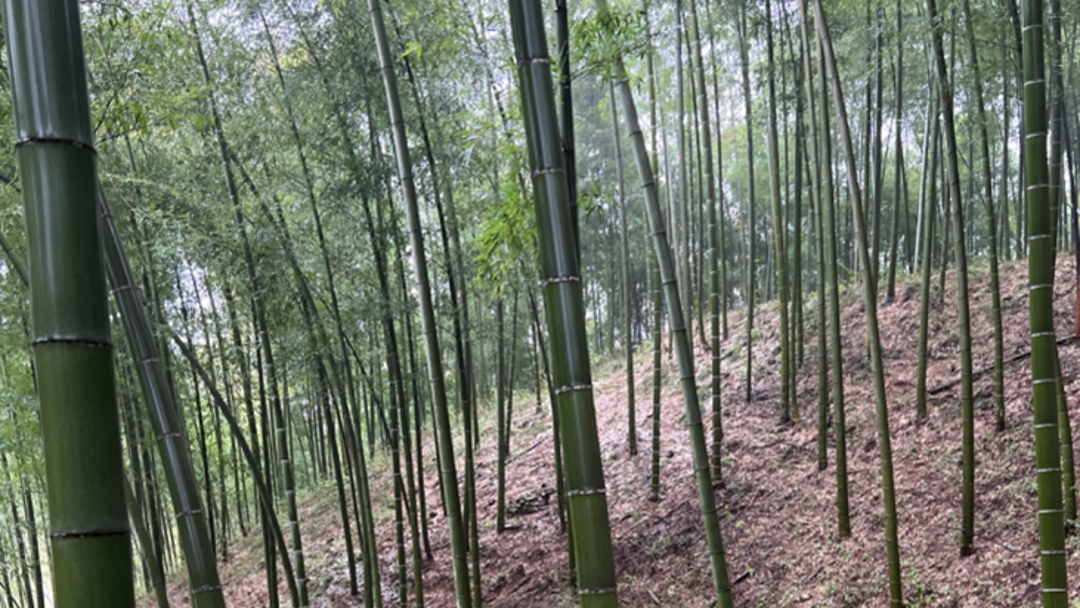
{"x": 586, "y": 491}
{"x": 541, "y": 60}
{"x": 553, "y": 280}
{"x": 546, "y": 171}
{"x": 89, "y": 534}
{"x": 56, "y": 141}
{"x": 602, "y": 591}
{"x": 573, "y": 387}
{"x": 73, "y": 341}
{"x": 206, "y": 588}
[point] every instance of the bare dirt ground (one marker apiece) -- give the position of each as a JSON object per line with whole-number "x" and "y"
{"x": 778, "y": 512}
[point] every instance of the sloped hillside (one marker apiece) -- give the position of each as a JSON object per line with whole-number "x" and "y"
{"x": 778, "y": 510}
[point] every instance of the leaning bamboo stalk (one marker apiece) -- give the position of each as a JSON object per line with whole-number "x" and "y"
{"x": 172, "y": 443}
{"x": 266, "y": 501}
{"x": 702, "y": 472}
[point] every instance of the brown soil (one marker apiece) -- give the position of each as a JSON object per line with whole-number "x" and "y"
{"x": 778, "y": 511}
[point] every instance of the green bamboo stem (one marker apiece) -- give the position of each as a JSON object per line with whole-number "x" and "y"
{"x": 898, "y": 168}
{"x": 408, "y": 487}
{"x": 172, "y": 444}
{"x": 73, "y": 358}
{"x": 787, "y": 412}
{"x": 427, "y": 315}
{"x": 744, "y": 62}
{"x": 13, "y": 257}
{"x": 967, "y": 407}
{"x": 832, "y": 262}
{"x": 722, "y": 228}
{"x": 814, "y": 169}
{"x": 562, "y": 288}
{"x": 927, "y": 259}
{"x": 1057, "y": 191}
{"x": 1041, "y": 301}
{"x": 870, "y": 303}
{"x": 655, "y": 296}
{"x": 566, "y": 108}
{"x": 138, "y": 522}
{"x": 707, "y": 498}
{"x": 500, "y": 415}
{"x": 995, "y": 290}
{"x": 714, "y": 240}
{"x": 628, "y": 343}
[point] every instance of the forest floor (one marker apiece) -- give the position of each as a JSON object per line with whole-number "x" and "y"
{"x": 778, "y": 512}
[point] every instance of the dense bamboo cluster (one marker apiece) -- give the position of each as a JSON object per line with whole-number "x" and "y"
{"x": 291, "y": 200}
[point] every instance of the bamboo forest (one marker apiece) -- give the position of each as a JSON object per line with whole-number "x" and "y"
{"x": 615, "y": 303}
